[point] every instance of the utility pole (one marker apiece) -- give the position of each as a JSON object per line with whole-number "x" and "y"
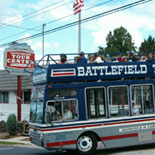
{"x": 43, "y": 26}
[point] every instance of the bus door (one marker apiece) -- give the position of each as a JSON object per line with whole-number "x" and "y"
{"x": 61, "y": 110}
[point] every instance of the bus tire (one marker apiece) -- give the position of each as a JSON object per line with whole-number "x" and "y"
{"x": 86, "y": 144}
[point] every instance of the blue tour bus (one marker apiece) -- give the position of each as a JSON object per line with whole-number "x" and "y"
{"x": 75, "y": 106}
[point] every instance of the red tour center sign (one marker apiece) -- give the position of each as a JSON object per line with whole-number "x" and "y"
{"x": 19, "y": 59}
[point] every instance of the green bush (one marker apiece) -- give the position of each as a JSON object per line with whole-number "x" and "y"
{"x": 11, "y": 124}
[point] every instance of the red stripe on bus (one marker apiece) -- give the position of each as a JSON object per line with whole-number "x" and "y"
{"x": 61, "y": 143}
{"x": 94, "y": 125}
{"x": 73, "y": 127}
{"x": 124, "y": 122}
{"x": 61, "y": 74}
{"x": 119, "y": 136}
{"x": 153, "y": 132}
{"x": 53, "y": 144}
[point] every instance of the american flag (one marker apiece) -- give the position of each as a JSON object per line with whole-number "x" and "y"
{"x": 63, "y": 72}
{"x": 77, "y": 5}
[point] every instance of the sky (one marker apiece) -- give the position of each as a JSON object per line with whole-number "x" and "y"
{"x": 24, "y": 18}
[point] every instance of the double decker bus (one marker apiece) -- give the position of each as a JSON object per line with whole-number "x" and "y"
{"x": 75, "y": 106}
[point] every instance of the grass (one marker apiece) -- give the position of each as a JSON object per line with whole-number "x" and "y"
{"x": 10, "y": 143}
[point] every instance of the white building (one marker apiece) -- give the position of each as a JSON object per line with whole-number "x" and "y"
{"x": 8, "y": 95}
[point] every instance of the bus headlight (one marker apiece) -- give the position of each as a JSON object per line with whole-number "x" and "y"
{"x": 41, "y": 136}
{"x": 41, "y": 140}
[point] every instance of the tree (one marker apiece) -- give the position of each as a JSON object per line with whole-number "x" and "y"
{"x": 148, "y": 45}
{"x": 11, "y": 124}
{"x": 119, "y": 41}
{"x": 101, "y": 50}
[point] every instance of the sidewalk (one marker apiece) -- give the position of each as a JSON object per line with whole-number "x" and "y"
{"x": 18, "y": 139}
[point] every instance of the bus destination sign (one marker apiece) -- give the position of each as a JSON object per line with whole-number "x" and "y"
{"x": 77, "y": 72}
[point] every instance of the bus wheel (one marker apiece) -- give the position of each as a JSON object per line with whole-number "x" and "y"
{"x": 86, "y": 144}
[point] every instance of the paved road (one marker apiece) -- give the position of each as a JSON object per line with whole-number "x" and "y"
{"x": 33, "y": 150}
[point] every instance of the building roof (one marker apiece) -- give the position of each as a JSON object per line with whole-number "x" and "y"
{"x": 8, "y": 81}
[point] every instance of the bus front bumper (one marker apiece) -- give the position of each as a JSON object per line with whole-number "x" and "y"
{"x": 36, "y": 138}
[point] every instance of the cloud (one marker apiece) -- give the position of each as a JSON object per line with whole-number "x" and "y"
{"x": 9, "y": 14}
{"x": 37, "y": 46}
{"x": 29, "y": 42}
{"x": 55, "y": 45}
{"x": 53, "y": 10}
{"x": 48, "y": 49}
{"x": 136, "y": 21}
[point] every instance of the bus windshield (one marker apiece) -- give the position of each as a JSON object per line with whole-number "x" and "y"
{"x": 37, "y": 101}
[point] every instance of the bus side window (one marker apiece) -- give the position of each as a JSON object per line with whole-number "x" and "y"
{"x": 70, "y": 110}
{"x": 53, "y": 111}
{"x": 142, "y": 95}
{"x": 118, "y": 101}
{"x": 148, "y": 99}
{"x": 96, "y": 102}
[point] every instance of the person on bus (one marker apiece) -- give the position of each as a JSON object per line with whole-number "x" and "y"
{"x": 135, "y": 109}
{"x": 90, "y": 58}
{"x": 131, "y": 57}
{"x": 49, "y": 113}
{"x": 76, "y": 59}
{"x": 67, "y": 114}
{"x": 103, "y": 58}
{"x": 120, "y": 59}
{"x": 97, "y": 58}
{"x": 150, "y": 58}
{"x": 63, "y": 59}
{"x": 82, "y": 58}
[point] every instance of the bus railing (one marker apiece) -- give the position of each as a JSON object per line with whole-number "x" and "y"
{"x": 55, "y": 58}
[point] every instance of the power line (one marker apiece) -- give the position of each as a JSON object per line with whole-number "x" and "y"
{"x": 83, "y": 20}
{"x": 82, "y": 11}
{"x": 57, "y": 19}
{"x": 18, "y": 26}
{"x": 48, "y": 10}
{"x": 10, "y": 25}
{"x": 34, "y": 29}
{"x": 10, "y": 22}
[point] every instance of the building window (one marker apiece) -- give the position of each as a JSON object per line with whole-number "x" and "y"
{"x": 27, "y": 96}
{"x": 118, "y": 101}
{"x": 1, "y": 97}
{"x": 4, "y": 97}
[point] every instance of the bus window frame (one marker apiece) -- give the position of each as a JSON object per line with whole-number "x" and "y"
{"x": 108, "y": 103}
{"x": 141, "y": 85}
{"x": 49, "y": 89}
{"x": 61, "y": 100}
{"x": 96, "y": 87}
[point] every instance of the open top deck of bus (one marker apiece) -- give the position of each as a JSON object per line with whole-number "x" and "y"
{"x": 57, "y": 73}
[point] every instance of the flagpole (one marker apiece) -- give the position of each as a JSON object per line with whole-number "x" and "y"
{"x": 79, "y": 35}
{"x": 77, "y": 5}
